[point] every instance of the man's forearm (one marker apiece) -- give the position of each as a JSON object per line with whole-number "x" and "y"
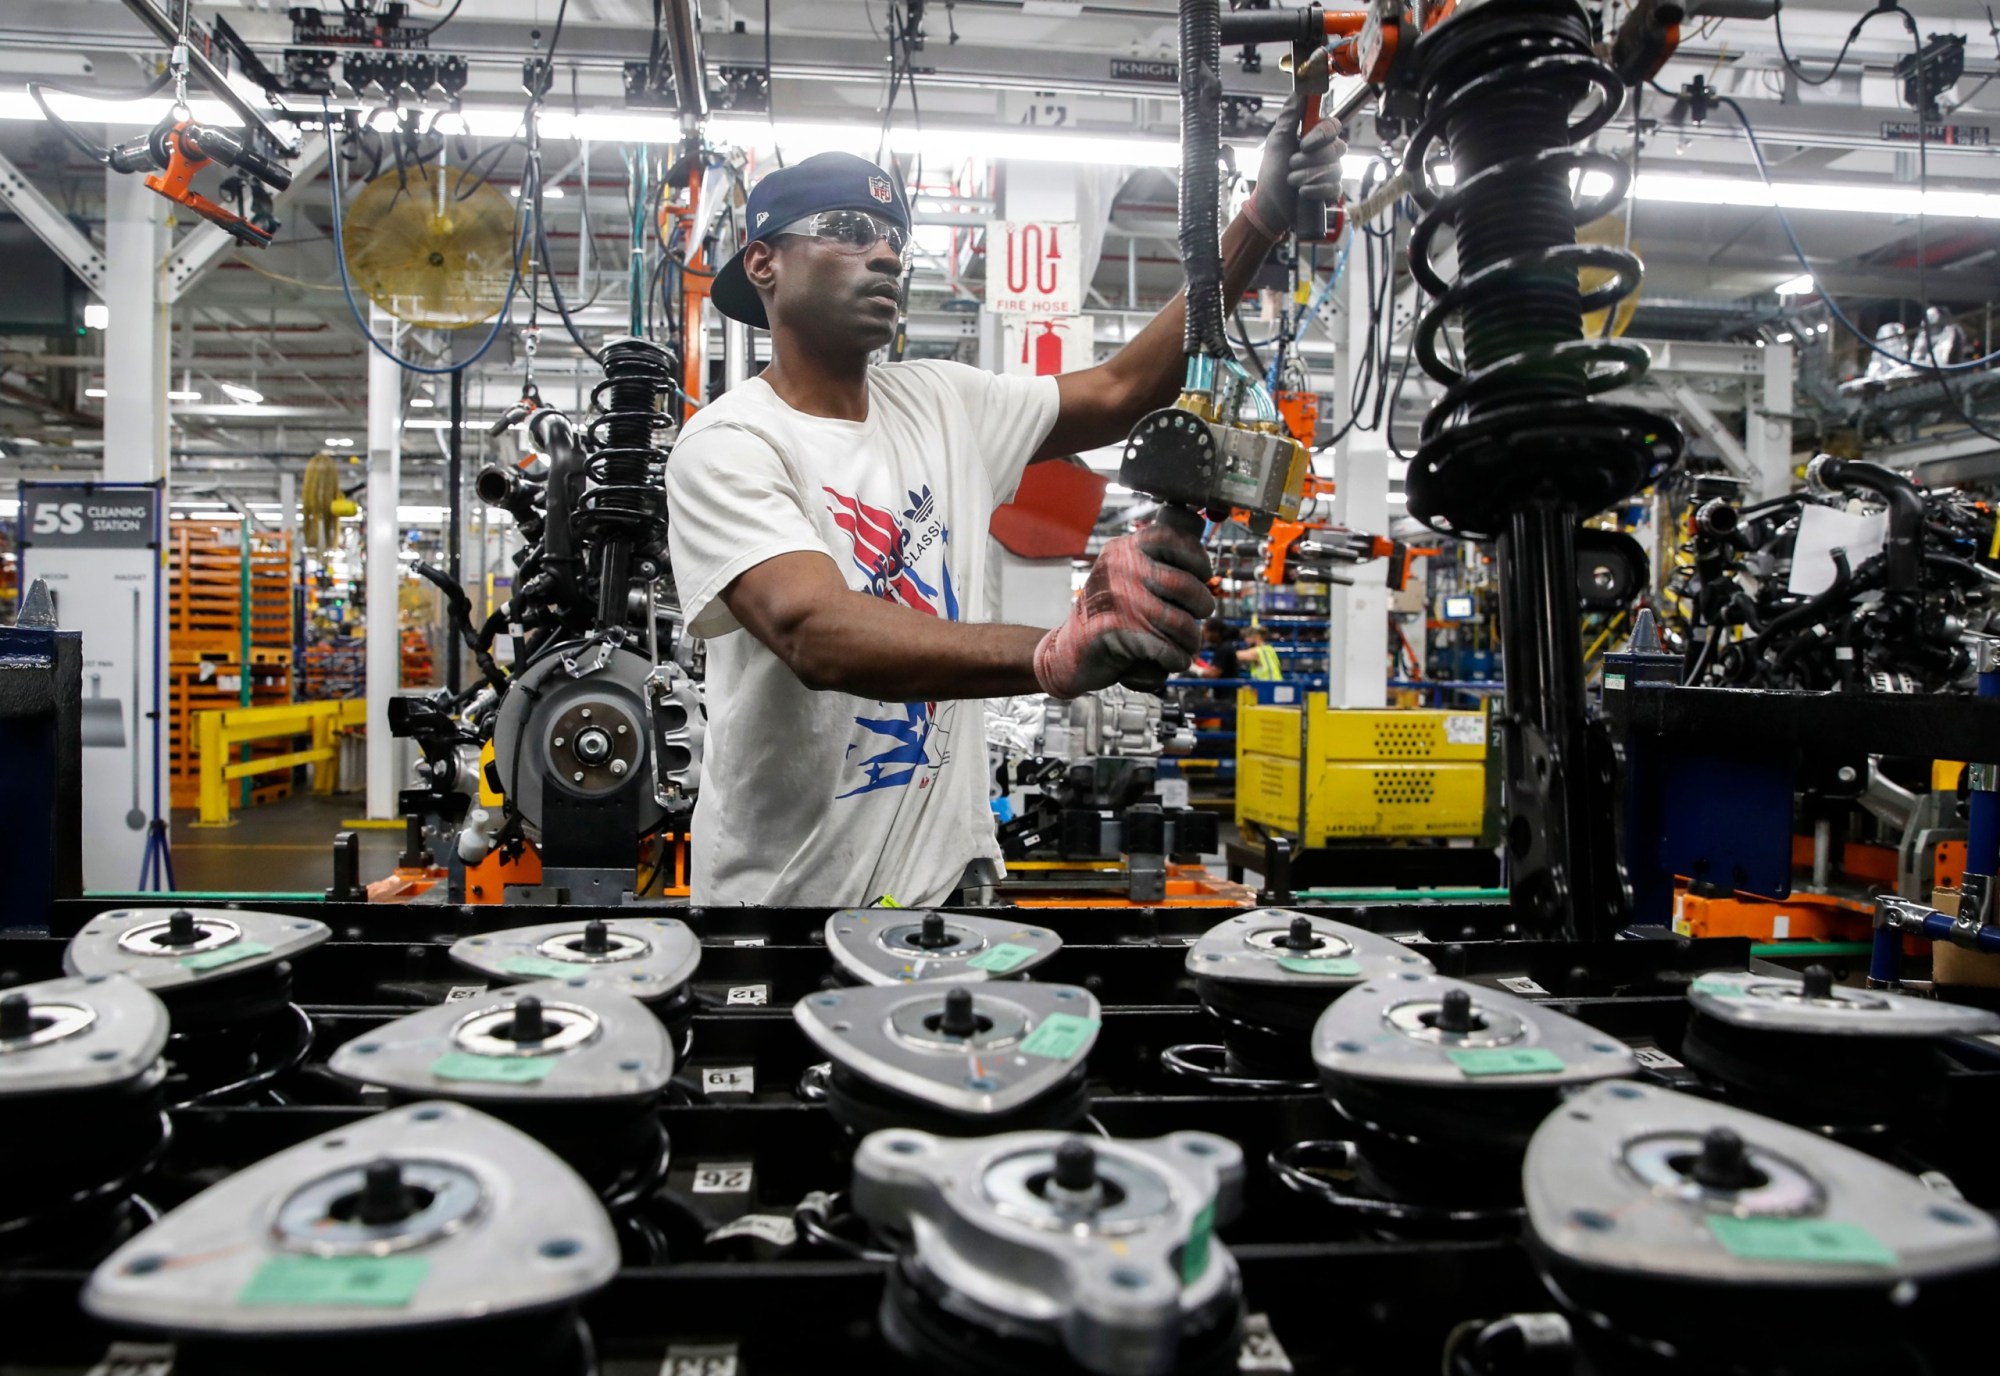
{"x": 875, "y": 649}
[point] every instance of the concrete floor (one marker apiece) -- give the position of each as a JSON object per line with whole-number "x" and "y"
{"x": 282, "y": 847}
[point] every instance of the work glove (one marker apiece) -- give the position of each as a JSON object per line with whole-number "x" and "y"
{"x": 1295, "y": 169}
{"x": 1139, "y": 616}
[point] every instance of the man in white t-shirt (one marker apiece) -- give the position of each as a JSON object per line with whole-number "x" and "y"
{"x": 828, "y": 527}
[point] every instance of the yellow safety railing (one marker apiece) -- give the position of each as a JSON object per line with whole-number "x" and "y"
{"x": 219, "y": 732}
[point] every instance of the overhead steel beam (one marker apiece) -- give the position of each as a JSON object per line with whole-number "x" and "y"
{"x": 202, "y": 248}
{"x": 52, "y": 227}
{"x": 211, "y": 75}
{"x": 1694, "y": 406}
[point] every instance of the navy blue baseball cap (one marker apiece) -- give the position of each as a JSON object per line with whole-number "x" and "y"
{"x": 824, "y": 181}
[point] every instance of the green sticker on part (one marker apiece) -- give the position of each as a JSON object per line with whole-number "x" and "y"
{"x": 1800, "y": 1239}
{"x": 381, "y": 1282}
{"x": 223, "y": 955}
{"x": 1318, "y": 965}
{"x": 1061, "y": 1036}
{"x": 1194, "y": 1257}
{"x": 1722, "y": 989}
{"x": 499, "y": 1070}
{"x": 1505, "y": 1060}
{"x": 540, "y": 967}
{"x": 1002, "y": 958}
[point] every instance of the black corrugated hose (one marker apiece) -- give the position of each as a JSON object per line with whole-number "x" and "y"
{"x": 1201, "y": 191}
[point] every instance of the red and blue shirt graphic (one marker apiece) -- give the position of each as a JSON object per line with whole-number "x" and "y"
{"x": 895, "y": 751}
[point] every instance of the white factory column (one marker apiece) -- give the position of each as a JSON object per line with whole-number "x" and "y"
{"x": 135, "y": 340}
{"x": 1768, "y": 427}
{"x": 1357, "y": 658}
{"x": 385, "y": 481}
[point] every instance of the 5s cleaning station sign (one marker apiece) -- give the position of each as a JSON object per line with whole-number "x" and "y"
{"x": 98, "y": 547}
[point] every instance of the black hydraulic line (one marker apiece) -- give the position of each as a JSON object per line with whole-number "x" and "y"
{"x": 1200, "y": 190}
{"x": 459, "y": 607}
{"x": 1903, "y": 553}
{"x": 455, "y": 504}
{"x": 556, "y": 437}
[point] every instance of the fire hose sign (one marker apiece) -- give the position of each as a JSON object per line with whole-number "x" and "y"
{"x": 1033, "y": 267}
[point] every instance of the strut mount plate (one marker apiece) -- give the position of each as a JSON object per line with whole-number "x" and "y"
{"x": 222, "y": 942}
{"x": 494, "y": 1225}
{"x": 1389, "y": 1031}
{"x": 1028, "y": 1039}
{"x": 1610, "y": 1186}
{"x": 889, "y": 945}
{"x": 87, "y": 1032}
{"x": 648, "y": 958}
{"x": 596, "y": 1044}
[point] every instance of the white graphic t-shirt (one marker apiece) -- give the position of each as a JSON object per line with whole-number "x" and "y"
{"x": 813, "y": 798}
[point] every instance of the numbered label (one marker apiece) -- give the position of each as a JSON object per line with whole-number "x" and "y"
{"x": 749, "y": 995}
{"x": 716, "y": 1359}
{"x": 1654, "y": 1059}
{"x": 1521, "y": 984}
{"x": 724, "y": 1177}
{"x": 749, "y": 941}
{"x": 459, "y": 993}
{"x": 728, "y": 1079}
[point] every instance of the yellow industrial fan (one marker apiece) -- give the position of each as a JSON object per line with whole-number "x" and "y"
{"x": 1608, "y": 230}
{"x": 431, "y": 247}
{"x": 322, "y": 503}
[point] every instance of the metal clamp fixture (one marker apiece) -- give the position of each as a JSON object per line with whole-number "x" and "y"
{"x": 1021, "y": 1243}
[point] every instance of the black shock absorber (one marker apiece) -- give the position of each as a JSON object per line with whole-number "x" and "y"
{"x": 625, "y": 506}
{"x": 1521, "y": 446}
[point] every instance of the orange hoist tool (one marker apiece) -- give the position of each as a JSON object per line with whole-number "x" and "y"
{"x": 176, "y": 150}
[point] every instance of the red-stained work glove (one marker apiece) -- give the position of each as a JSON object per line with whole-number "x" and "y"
{"x": 1139, "y": 616}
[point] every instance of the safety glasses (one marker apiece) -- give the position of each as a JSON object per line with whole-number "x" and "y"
{"x": 851, "y": 231}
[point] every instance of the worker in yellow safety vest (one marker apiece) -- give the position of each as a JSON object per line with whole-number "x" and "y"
{"x": 1259, "y": 658}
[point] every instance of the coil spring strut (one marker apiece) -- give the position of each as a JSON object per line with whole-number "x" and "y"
{"x": 1520, "y": 445}
{"x": 625, "y": 506}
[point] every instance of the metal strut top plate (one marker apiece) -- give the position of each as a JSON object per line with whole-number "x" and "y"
{"x": 908, "y": 945}
{"x": 573, "y": 1041}
{"x": 1269, "y": 947}
{"x": 1025, "y": 1039}
{"x": 648, "y": 958}
{"x": 1627, "y": 1177}
{"x": 81, "y": 1033}
{"x": 488, "y": 1223}
{"x": 1782, "y": 1003}
{"x": 1113, "y": 1267}
{"x": 1401, "y": 1030}
{"x": 172, "y": 948}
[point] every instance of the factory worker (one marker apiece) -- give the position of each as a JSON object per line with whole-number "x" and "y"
{"x": 828, "y": 522}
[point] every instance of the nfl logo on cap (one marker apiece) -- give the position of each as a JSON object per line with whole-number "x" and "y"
{"x": 762, "y": 216}
{"x": 878, "y": 187}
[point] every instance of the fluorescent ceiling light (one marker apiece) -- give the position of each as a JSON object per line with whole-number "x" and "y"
{"x": 1857, "y": 200}
{"x": 96, "y": 316}
{"x": 94, "y": 392}
{"x": 422, "y": 403}
{"x": 549, "y": 193}
{"x": 1784, "y": 336}
{"x": 178, "y": 395}
{"x": 339, "y": 442}
{"x": 249, "y": 396}
{"x": 138, "y": 114}
{"x": 1802, "y": 285}
{"x": 421, "y": 515}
